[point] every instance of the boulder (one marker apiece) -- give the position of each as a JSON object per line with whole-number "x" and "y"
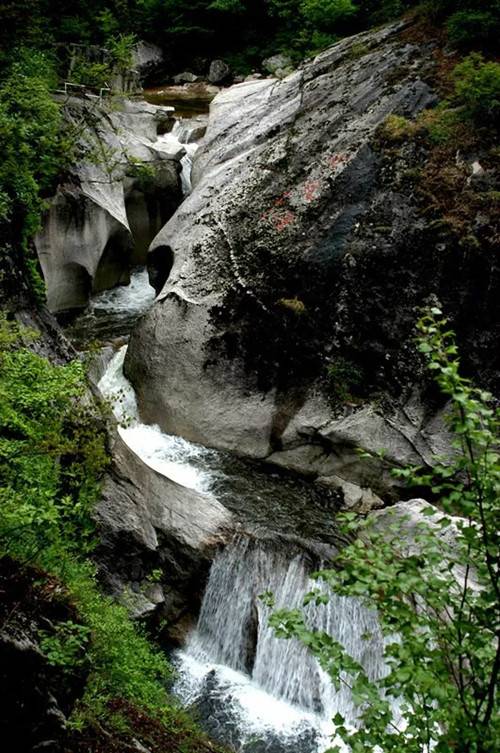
{"x": 148, "y": 522}
{"x": 290, "y": 258}
{"x": 405, "y": 520}
{"x": 354, "y": 497}
{"x": 146, "y": 58}
{"x": 188, "y": 99}
{"x": 186, "y": 77}
{"x": 277, "y": 62}
{"x": 219, "y": 72}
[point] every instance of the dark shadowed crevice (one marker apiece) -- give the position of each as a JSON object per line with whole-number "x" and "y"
{"x": 160, "y": 262}
{"x": 115, "y": 263}
{"x": 79, "y": 281}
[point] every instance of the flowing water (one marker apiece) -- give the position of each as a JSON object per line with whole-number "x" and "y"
{"x": 181, "y": 134}
{"x": 112, "y": 313}
{"x": 250, "y": 690}
{"x": 274, "y": 696}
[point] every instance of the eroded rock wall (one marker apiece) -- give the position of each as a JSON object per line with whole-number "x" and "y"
{"x": 106, "y": 212}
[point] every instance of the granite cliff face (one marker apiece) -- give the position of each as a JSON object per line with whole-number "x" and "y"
{"x": 300, "y": 262}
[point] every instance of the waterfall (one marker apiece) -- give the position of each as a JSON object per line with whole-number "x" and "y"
{"x": 233, "y": 632}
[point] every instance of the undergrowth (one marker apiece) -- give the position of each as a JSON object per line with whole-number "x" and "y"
{"x": 52, "y": 458}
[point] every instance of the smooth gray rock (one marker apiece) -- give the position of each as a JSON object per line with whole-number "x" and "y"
{"x": 270, "y": 162}
{"x": 186, "y": 77}
{"x": 300, "y": 244}
{"x": 146, "y": 522}
{"x": 146, "y": 57}
{"x": 405, "y": 520}
{"x": 102, "y": 219}
{"x": 283, "y": 72}
{"x": 276, "y": 62}
{"x": 147, "y": 506}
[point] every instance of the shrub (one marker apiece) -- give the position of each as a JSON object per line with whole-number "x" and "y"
{"x": 438, "y": 603}
{"x": 52, "y": 456}
{"x": 477, "y": 89}
{"x": 396, "y": 128}
{"x": 52, "y": 452}
{"x": 343, "y": 377}
{"x": 475, "y": 27}
{"x": 293, "y": 304}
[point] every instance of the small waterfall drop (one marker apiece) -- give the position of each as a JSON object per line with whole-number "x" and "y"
{"x": 172, "y": 456}
{"x": 112, "y": 313}
{"x": 233, "y": 632}
{"x": 182, "y": 135}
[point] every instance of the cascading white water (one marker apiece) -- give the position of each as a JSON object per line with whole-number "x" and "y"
{"x": 132, "y": 299}
{"x": 262, "y": 687}
{"x": 180, "y": 136}
{"x": 233, "y": 632}
{"x": 171, "y": 456}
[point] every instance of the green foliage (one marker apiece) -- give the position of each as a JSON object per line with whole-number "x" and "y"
{"x": 121, "y": 660}
{"x": 475, "y": 23}
{"x": 143, "y": 172}
{"x": 343, "y": 377}
{"x": 116, "y": 58}
{"x": 477, "y": 89}
{"x": 51, "y": 456}
{"x": 227, "y": 6}
{"x": 293, "y": 304}
{"x": 92, "y": 74}
{"x": 35, "y": 149}
{"x": 65, "y": 646}
{"x": 397, "y": 128}
{"x": 33, "y": 145}
{"x": 438, "y": 600}
{"x": 121, "y": 49}
{"x": 325, "y": 14}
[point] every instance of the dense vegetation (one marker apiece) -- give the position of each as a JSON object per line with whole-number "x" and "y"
{"x": 52, "y": 457}
{"x": 241, "y": 30}
{"x": 435, "y": 585}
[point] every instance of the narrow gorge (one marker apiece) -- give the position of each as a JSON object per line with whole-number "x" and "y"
{"x": 238, "y": 263}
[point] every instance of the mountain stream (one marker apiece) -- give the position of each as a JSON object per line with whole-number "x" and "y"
{"x": 250, "y": 690}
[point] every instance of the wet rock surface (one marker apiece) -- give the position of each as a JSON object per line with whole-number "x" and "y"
{"x": 147, "y": 522}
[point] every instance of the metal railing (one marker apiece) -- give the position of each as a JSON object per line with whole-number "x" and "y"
{"x": 70, "y": 88}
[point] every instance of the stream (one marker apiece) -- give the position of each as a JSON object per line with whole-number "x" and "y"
{"x": 250, "y": 690}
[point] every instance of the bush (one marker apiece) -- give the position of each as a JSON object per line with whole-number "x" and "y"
{"x": 52, "y": 452}
{"x": 52, "y": 457}
{"x": 325, "y": 14}
{"x": 477, "y": 89}
{"x": 438, "y": 602}
{"x": 475, "y": 26}
{"x": 342, "y": 378}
